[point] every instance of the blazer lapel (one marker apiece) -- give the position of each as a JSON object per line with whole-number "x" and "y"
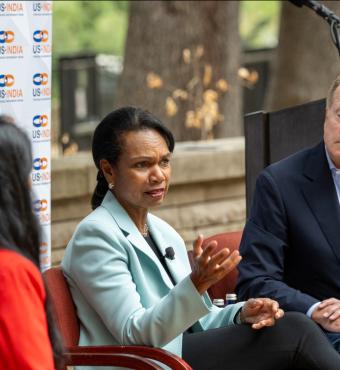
{"x": 321, "y": 195}
{"x": 132, "y": 234}
{"x": 175, "y": 266}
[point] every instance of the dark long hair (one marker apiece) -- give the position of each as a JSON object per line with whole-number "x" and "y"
{"x": 18, "y": 225}
{"x": 19, "y": 228}
{"x": 107, "y": 140}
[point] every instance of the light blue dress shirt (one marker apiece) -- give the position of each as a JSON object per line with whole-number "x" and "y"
{"x": 335, "y": 174}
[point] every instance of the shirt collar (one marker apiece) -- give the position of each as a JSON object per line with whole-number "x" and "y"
{"x": 330, "y": 163}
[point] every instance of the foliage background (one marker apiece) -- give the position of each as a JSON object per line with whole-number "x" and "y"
{"x": 101, "y": 27}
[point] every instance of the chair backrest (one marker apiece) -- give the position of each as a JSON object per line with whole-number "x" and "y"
{"x": 271, "y": 136}
{"x": 231, "y": 240}
{"x": 63, "y": 306}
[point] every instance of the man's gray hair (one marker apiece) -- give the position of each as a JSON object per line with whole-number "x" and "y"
{"x": 330, "y": 94}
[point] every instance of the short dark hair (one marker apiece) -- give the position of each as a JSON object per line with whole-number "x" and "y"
{"x": 107, "y": 140}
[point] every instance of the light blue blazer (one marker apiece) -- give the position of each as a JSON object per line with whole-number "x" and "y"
{"x": 122, "y": 292}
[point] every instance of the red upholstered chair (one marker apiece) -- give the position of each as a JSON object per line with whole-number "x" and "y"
{"x": 232, "y": 241}
{"x": 136, "y": 357}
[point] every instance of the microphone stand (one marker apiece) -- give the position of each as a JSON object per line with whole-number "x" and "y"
{"x": 325, "y": 13}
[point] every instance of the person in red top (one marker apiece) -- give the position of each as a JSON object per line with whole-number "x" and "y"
{"x": 28, "y": 340}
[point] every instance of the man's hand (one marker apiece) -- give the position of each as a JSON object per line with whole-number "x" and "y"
{"x": 327, "y": 314}
{"x": 209, "y": 267}
{"x": 261, "y": 312}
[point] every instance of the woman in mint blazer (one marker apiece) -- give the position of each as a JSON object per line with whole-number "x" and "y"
{"x": 131, "y": 280}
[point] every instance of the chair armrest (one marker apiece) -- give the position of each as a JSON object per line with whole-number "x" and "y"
{"x": 109, "y": 359}
{"x": 167, "y": 358}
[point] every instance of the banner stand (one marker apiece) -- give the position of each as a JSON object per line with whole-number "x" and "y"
{"x": 25, "y": 94}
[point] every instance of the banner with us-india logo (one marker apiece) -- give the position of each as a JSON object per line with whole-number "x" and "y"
{"x": 25, "y": 94}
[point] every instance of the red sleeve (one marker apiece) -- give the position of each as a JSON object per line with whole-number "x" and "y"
{"x": 24, "y": 341}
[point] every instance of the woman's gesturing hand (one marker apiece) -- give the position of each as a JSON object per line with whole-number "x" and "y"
{"x": 209, "y": 267}
{"x": 260, "y": 312}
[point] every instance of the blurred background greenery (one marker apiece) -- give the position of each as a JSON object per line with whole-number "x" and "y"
{"x": 89, "y": 26}
{"x": 259, "y": 24}
{"x": 101, "y": 27}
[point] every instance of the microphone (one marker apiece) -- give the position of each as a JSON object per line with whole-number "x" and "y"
{"x": 169, "y": 253}
{"x": 332, "y": 19}
{"x": 319, "y": 9}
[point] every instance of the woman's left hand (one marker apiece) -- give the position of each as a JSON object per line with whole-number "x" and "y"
{"x": 260, "y": 312}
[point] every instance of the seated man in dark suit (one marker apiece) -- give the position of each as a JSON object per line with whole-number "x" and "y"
{"x": 291, "y": 242}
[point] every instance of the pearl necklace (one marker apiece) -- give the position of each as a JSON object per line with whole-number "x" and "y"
{"x": 145, "y": 231}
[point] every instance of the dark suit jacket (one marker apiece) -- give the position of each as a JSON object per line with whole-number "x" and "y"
{"x": 291, "y": 242}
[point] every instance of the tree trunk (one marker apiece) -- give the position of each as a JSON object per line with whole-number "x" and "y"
{"x": 306, "y": 61}
{"x": 181, "y": 62}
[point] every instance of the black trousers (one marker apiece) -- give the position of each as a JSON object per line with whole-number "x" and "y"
{"x": 294, "y": 342}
